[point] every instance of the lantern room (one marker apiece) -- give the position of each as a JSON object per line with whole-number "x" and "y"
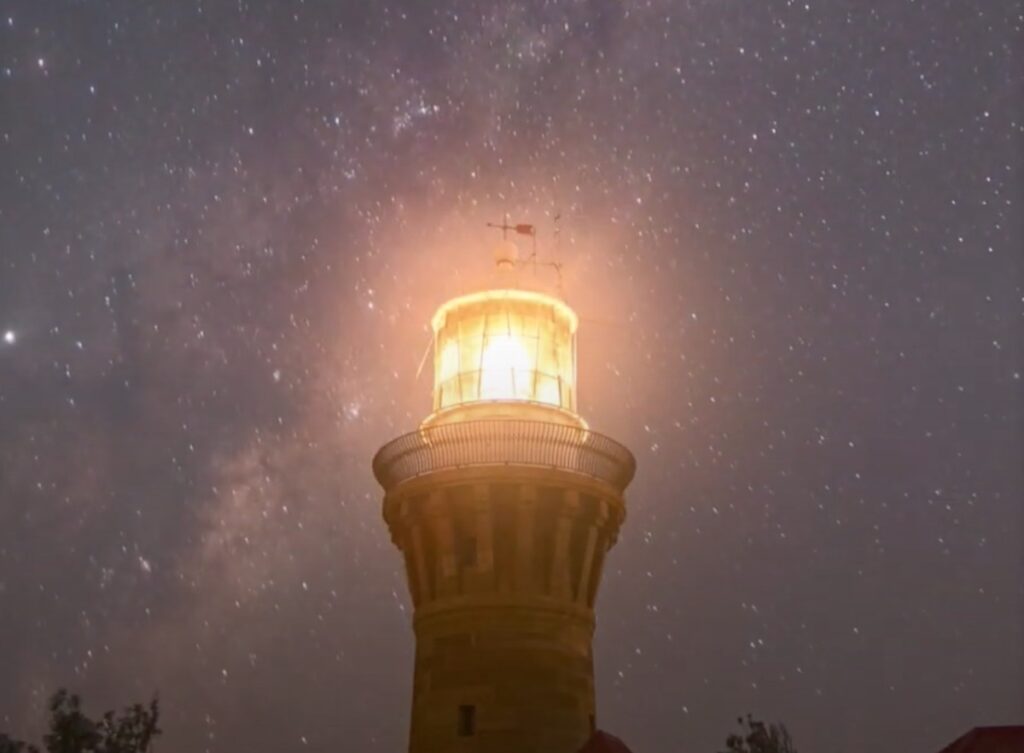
{"x": 505, "y": 353}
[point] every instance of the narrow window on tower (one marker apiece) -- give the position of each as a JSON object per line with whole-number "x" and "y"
{"x": 467, "y": 721}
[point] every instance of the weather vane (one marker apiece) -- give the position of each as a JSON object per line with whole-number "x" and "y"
{"x": 520, "y": 229}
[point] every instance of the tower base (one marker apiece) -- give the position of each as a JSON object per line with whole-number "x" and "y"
{"x": 503, "y": 678}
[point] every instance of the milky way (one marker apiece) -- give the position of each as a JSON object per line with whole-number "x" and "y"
{"x": 792, "y": 231}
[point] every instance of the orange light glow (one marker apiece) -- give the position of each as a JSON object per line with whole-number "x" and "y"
{"x": 503, "y": 346}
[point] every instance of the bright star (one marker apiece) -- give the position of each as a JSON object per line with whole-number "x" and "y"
{"x": 10, "y": 337}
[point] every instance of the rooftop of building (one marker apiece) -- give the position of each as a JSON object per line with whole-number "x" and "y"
{"x": 1004, "y": 739}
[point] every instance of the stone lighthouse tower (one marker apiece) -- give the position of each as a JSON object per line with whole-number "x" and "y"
{"x": 504, "y": 504}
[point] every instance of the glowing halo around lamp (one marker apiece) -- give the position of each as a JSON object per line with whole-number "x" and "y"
{"x": 505, "y": 354}
{"x": 505, "y": 371}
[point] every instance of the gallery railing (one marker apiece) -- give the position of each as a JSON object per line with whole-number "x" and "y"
{"x": 504, "y": 442}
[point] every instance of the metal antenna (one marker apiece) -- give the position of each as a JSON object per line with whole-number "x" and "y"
{"x": 523, "y": 228}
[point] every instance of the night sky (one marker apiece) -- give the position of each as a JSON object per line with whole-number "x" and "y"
{"x": 793, "y": 234}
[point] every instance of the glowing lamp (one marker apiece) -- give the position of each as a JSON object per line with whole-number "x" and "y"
{"x": 505, "y": 353}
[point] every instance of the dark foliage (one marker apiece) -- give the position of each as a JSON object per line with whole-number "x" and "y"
{"x": 71, "y": 731}
{"x": 758, "y": 737}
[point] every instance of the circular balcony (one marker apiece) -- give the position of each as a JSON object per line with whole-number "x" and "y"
{"x": 503, "y": 442}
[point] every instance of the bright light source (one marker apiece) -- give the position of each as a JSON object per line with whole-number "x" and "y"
{"x": 505, "y": 346}
{"x": 505, "y": 367}
{"x": 9, "y": 337}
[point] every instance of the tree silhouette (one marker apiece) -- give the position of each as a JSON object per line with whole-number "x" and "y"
{"x": 758, "y": 737}
{"x": 71, "y": 731}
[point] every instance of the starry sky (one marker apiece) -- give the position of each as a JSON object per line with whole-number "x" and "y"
{"x": 793, "y": 234}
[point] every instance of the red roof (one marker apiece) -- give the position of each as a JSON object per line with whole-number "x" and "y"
{"x": 602, "y": 742}
{"x": 989, "y": 740}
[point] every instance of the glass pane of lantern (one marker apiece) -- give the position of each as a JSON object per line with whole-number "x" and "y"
{"x": 469, "y": 382}
{"x": 448, "y": 361}
{"x": 505, "y": 364}
{"x": 547, "y": 389}
{"x": 471, "y": 335}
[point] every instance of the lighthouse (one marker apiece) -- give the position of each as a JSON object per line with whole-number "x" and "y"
{"x": 504, "y": 504}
